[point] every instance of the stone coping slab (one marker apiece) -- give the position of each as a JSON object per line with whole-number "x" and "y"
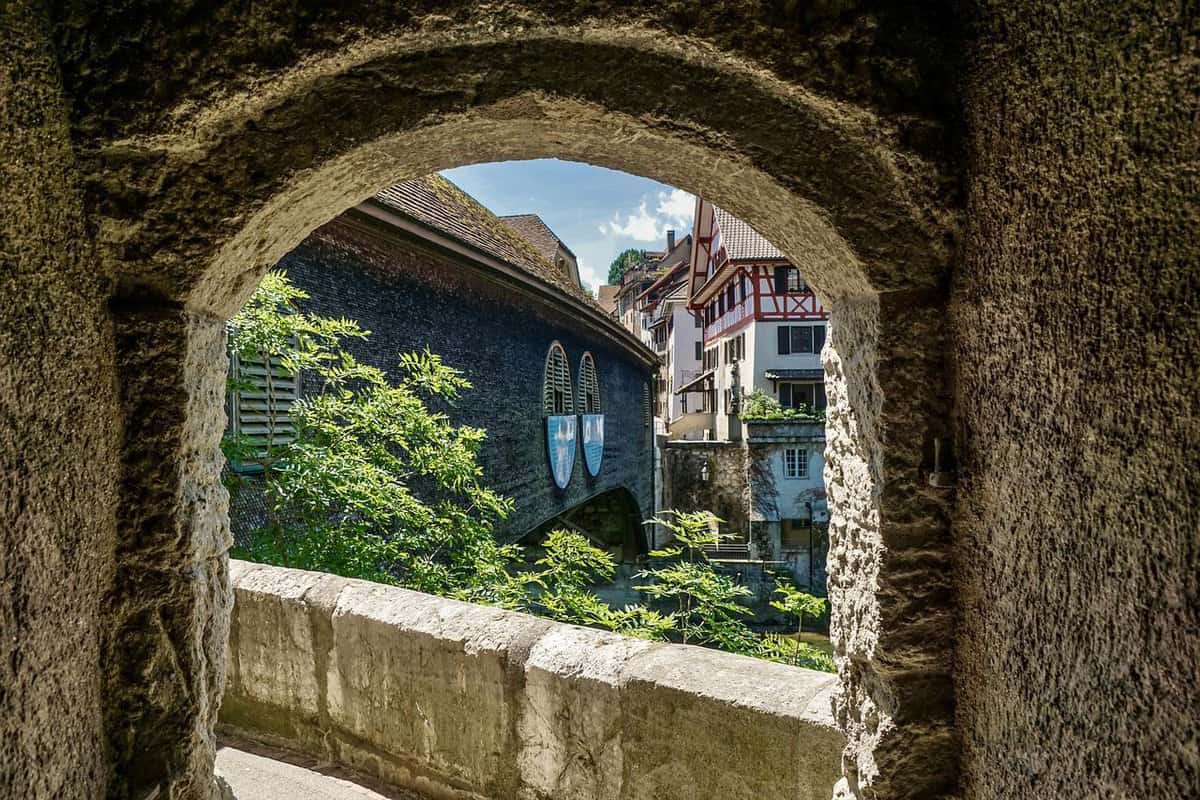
{"x": 456, "y": 700}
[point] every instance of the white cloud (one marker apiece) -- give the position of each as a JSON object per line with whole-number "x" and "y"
{"x": 678, "y": 207}
{"x": 674, "y": 211}
{"x": 589, "y": 275}
{"x": 641, "y": 227}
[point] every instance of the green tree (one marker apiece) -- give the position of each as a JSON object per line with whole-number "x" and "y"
{"x": 338, "y": 468}
{"x": 623, "y": 263}
{"x": 797, "y": 603}
{"x": 707, "y": 610}
{"x": 786, "y": 650}
{"x": 570, "y": 565}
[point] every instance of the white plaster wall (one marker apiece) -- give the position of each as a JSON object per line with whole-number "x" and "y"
{"x": 682, "y": 348}
{"x": 766, "y": 354}
{"x": 793, "y": 492}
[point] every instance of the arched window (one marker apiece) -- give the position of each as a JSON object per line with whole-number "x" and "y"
{"x": 556, "y": 383}
{"x": 589, "y": 386}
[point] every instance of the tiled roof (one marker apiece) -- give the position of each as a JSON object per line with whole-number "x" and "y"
{"x": 608, "y": 297}
{"x": 437, "y": 203}
{"x": 534, "y": 230}
{"x": 742, "y": 242}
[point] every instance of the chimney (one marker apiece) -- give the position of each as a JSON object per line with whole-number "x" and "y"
{"x": 670, "y": 241}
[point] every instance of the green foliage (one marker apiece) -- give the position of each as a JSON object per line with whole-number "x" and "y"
{"x": 624, "y": 262}
{"x": 570, "y": 565}
{"x": 706, "y": 604}
{"x": 761, "y": 406}
{"x": 796, "y": 602}
{"x": 339, "y": 494}
{"x": 786, "y": 650}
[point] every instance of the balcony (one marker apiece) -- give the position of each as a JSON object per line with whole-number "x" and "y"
{"x": 446, "y": 699}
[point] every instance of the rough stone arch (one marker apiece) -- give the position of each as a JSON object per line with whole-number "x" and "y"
{"x": 211, "y": 200}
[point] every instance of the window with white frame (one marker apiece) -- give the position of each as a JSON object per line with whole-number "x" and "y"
{"x": 795, "y": 463}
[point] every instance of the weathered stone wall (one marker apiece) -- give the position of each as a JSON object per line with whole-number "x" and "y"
{"x": 212, "y": 140}
{"x": 59, "y": 439}
{"x": 1078, "y": 349}
{"x": 726, "y": 493}
{"x": 465, "y": 701}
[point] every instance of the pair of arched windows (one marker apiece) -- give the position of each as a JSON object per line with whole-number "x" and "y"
{"x": 558, "y": 395}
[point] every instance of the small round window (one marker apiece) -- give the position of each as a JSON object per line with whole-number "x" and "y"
{"x": 589, "y": 386}
{"x": 556, "y": 383}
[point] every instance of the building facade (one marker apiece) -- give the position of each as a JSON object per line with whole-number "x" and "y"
{"x": 763, "y": 326}
{"x": 758, "y": 331}
{"x": 562, "y": 391}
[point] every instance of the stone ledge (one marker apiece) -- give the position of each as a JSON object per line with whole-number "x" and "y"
{"x": 462, "y": 701}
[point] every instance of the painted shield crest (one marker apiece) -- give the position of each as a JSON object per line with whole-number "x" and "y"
{"x": 593, "y": 442}
{"x": 560, "y": 443}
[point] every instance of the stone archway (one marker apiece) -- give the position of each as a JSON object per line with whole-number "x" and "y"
{"x": 193, "y": 210}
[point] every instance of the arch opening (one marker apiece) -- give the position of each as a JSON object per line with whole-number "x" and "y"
{"x": 878, "y": 265}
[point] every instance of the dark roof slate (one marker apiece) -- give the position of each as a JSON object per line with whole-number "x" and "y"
{"x": 437, "y": 203}
{"x": 534, "y": 230}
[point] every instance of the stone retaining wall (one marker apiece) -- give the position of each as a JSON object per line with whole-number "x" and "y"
{"x": 465, "y": 701}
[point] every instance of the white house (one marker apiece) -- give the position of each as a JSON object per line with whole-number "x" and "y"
{"x": 762, "y": 330}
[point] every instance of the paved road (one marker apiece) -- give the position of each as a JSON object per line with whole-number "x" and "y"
{"x": 259, "y": 777}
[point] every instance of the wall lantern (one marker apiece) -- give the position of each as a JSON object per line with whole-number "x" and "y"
{"x": 704, "y": 472}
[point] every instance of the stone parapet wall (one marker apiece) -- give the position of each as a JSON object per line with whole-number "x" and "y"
{"x": 463, "y": 701}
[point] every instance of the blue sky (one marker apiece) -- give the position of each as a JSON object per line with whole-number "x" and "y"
{"x": 598, "y": 212}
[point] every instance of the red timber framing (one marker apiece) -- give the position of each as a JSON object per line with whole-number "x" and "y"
{"x": 713, "y": 272}
{"x": 802, "y": 305}
{"x": 762, "y": 303}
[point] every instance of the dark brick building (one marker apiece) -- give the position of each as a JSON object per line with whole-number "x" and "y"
{"x": 423, "y": 265}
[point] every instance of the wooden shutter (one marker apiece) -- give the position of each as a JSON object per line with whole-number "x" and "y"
{"x": 820, "y": 392}
{"x": 781, "y": 278}
{"x": 262, "y": 412}
{"x": 556, "y": 383}
{"x": 589, "y": 386}
{"x": 785, "y": 342}
{"x": 785, "y": 395}
{"x": 818, "y": 338}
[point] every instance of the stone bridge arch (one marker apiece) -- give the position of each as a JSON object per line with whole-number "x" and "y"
{"x": 196, "y": 203}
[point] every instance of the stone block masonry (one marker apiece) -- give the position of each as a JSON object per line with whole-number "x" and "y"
{"x": 462, "y": 701}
